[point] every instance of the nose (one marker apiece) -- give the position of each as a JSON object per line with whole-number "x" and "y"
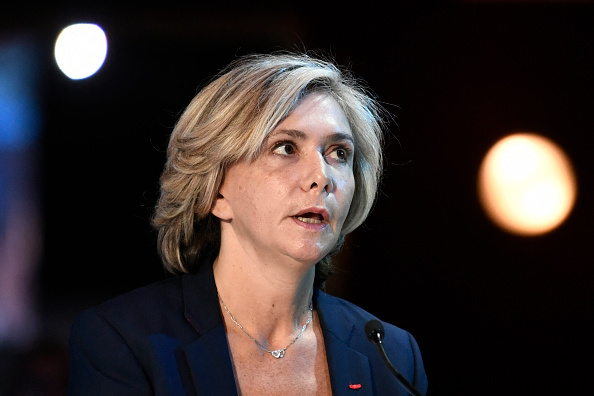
{"x": 317, "y": 175}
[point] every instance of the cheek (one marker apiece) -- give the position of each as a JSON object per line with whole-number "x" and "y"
{"x": 264, "y": 188}
{"x": 282, "y": 183}
{"x": 346, "y": 188}
{"x": 243, "y": 194}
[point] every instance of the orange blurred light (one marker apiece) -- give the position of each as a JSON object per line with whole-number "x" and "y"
{"x": 526, "y": 184}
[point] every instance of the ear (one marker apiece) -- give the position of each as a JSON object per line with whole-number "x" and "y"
{"x": 222, "y": 209}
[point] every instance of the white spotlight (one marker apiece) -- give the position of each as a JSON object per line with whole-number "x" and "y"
{"x": 80, "y": 50}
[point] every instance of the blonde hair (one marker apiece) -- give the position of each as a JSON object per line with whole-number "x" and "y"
{"x": 227, "y": 122}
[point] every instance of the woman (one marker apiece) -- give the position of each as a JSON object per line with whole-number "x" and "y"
{"x": 268, "y": 169}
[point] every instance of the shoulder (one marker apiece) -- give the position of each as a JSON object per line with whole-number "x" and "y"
{"x": 144, "y": 308}
{"x": 120, "y": 346}
{"x": 347, "y": 314}
{"x": 345, "y": 321}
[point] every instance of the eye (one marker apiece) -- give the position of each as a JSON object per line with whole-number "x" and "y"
{"x": 341, "y": 154}
{"x": 284, "y": 148}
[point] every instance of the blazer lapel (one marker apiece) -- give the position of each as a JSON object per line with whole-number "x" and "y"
{"x": 209, "y": 364}
{"x": 208, "y": 358}
{"x": 350, "y": 372}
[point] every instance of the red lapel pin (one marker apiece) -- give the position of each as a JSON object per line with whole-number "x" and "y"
{"x": 354, "y": 386}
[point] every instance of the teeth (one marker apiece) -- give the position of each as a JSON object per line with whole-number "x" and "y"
{"x": 309, "y": 220}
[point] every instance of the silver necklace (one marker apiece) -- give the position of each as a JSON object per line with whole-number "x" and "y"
{"x": 277, "y": 353}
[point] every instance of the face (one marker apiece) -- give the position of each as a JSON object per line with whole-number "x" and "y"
{"x": 294, "y": 198}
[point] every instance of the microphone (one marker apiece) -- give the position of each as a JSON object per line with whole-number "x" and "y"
{"x": 375, "y": 333}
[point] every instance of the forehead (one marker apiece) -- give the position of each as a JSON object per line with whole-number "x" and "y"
{"x": 316, "y": 113}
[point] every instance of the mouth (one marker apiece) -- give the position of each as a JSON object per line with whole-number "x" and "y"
{"x": 313, "y": 216}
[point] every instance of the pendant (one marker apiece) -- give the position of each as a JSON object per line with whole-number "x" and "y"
{"x": 279, "y": 353}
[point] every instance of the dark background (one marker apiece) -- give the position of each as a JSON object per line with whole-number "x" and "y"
{"x": 493, "y": 313}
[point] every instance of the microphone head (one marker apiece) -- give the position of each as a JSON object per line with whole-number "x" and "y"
{"x": 374, "y": 330}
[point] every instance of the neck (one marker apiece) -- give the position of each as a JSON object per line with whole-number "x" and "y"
{"x": 269, "y": 299}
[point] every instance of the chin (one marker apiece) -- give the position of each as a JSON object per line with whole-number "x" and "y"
{"x": 312, "y": 254}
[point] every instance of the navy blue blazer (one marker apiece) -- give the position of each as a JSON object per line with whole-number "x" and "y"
{"x": 168, "y": 338}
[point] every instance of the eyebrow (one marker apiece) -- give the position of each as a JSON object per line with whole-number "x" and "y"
{"x": 297, "y": 134}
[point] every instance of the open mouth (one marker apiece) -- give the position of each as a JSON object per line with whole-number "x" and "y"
{"x": 312, "y": 218}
